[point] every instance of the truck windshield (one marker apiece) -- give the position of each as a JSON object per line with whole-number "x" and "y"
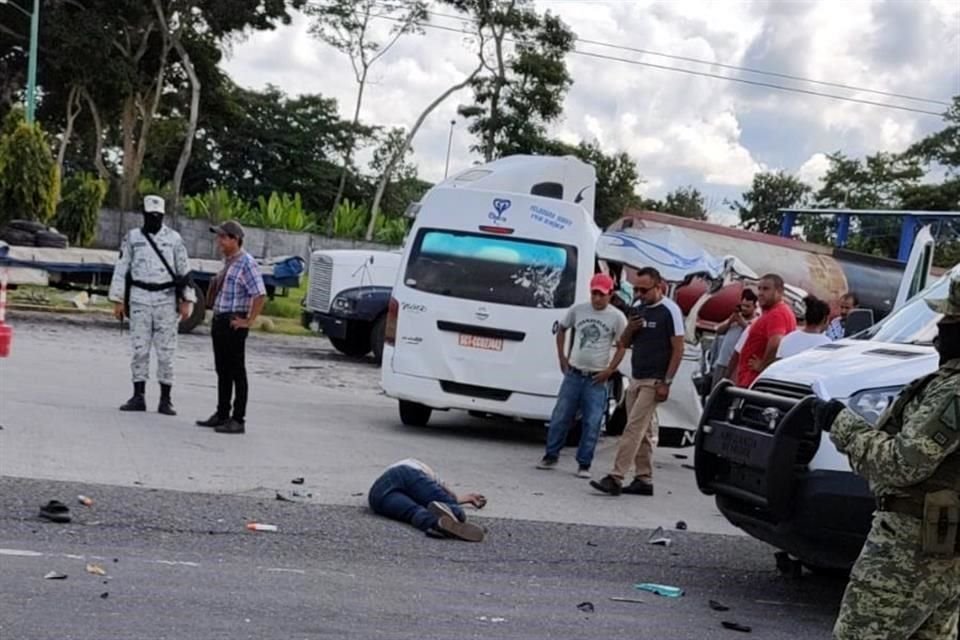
{"x": 488, "y": 268}
{"x": 915, "y": 322}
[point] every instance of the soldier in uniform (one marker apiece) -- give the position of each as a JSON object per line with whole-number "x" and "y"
{"x": 906, "y": 582}
{"x": 151, "y": 276}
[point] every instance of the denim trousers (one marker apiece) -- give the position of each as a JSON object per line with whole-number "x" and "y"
{"x": 403, "y": 493}
{"x": 578, "y": 393}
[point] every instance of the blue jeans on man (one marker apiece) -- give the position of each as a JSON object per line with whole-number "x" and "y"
{"x": 403, "y": 493}
{"x": 578, "y": 393}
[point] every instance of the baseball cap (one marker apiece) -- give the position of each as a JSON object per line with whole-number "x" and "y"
{"x": 153, "y": 204}
{"x": 602, "y": 283}
{"x": 230, "y": 228}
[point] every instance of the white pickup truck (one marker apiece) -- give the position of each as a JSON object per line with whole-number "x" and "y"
{"x": 773, "y": 473}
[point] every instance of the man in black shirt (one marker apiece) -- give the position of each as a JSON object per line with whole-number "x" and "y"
{"x": 655, "y": 334}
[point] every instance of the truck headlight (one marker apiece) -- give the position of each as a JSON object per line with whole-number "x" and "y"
{"x": 344, "y": 304}
{"x": 870, "y": 404}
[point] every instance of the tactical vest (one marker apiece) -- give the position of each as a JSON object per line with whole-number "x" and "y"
{"x": 947, "y": 475}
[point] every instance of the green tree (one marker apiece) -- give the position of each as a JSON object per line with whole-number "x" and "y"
{"x": 405, "y": 187}
{"x": 346, "y": 25}
{"x": 78, "y": 212}
{"x": 686, "y": 202}
{"x": 770, "y": 191}
{"x": 942, "y": 147}
{"x": 29, "y": 178}
{"x": 522, "y": 90}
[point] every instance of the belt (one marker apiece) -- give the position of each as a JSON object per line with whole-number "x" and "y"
{"x": 903, "y": 506}
{"x": 153, "y": 286}
{"x": 582, "y": 373}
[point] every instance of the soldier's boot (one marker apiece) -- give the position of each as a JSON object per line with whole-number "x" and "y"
{"x": 138, "y": 402}
{"x": 166, "y": 405}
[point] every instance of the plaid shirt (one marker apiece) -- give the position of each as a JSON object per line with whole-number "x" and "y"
{"x": 240, "y": 283}
{"x": 835, "y": 329}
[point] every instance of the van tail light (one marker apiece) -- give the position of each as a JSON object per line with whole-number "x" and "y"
{"x": 390, "y": 331}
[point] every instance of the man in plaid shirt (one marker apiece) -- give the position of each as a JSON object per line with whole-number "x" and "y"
{"x": 238, "y": 295}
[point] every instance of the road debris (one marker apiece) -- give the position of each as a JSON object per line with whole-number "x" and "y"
{"x": 258, "y": 526}
{"x": 297, "y": 481}
{"x": 302, "y": 494}
{"x": 716, "y": 606}
{"x": 631, "y": 600}
{"x": 85, "y": 501}
{"x": 104, "y": 595}
{"x": 586, "y": 607}
{"x": 681, "y": 525}
{"x": 660, "y": 538}
{"x": 96, "y": 569}
{"x": 664, "y": 590}
{"x": 735, "y": 626}
{"x": 54, "y": 575}
{"x": 283, "y": 498}
{"x": 591, "y": 543}
{"x": 55, "y": 511}
{"x": 494, "y": 620}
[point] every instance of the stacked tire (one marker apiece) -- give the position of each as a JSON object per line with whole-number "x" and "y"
{"x": 26, "y": 233}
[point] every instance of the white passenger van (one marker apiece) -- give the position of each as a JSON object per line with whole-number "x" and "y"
{"x": 495, "y": 258}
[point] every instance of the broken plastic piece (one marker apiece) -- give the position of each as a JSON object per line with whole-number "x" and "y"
{"x": 283, "y": 498}
{"x": 297, "y": 481}
{"x": 681, "y": 526}
{"x": 53, "y": 575}
{"x": 632, "y": 600}
{"x": 586, "y": 607}
{"x": 716, "y": 606}
{"x": 660, "y": 538}
{"x": 96, "y": 570}
{"x": 105, "y": 595}
{"x": 55, "y": 511}
{"x": 664, "y": 590}
{"x": 733, "y": 626}
{"x": 257, "y": 526}
{"x": 85, "y": 501}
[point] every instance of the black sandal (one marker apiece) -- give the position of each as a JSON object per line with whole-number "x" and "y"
{"x": 55, "y": 511}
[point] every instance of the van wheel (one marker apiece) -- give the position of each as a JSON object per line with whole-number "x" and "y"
{"x": 414, "y": 414}
{"x": 377, "y": 338}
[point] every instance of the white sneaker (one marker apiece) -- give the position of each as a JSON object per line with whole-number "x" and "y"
{"x": 583, "y": 472}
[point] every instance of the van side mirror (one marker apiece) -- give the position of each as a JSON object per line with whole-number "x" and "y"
{"x": 412, "y": 210}
{"x": 858, "y": 320}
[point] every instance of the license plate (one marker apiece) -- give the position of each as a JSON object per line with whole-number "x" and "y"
{"x": 739, "y": 444}
{"x": 481, "y": 342}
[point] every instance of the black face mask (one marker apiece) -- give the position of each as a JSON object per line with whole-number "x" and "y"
{"x": 948, "y": 341}
{"x": 152, "y": 221}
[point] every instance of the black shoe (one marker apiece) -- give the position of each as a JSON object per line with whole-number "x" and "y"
{"x": 231, "y": 426}
{"x": 166, "y": 408}
{"x": 639, "y": 488}
{"x": 55, "y": 511}
{"x": 607, "y": 485}
{"x": 213, "y": 421}
{"x": 547, "y": 463}
{"x": 136, "y": 403}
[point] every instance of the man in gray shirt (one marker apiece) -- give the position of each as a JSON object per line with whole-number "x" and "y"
{"x": 729, "y": 332}
{"x": 597, "y": 328}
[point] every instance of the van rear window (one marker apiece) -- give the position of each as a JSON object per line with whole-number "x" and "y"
{"x": 512, "y": 271}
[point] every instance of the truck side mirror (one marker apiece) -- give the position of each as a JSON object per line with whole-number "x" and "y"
{"x": 858, "y": 320}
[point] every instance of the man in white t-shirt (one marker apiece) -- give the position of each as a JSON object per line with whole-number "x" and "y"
{"x": 816, "y": 318}
{"x": 412, "y": 492}
{"x": 597, "y": 327}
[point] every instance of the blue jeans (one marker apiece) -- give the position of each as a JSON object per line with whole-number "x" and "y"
{"x": 403, "y": 493}
{"x": 577, "y": 393}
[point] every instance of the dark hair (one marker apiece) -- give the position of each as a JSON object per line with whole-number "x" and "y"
{"x": 749, "y": 295}
{"x": 817, "y": 311}
{"x": 775, "y": 279}
{"x": 852, "y": 297}
{"x": 651, "y": 273}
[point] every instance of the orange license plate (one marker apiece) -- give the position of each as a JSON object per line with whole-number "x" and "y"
{"x": 481, "y": 342}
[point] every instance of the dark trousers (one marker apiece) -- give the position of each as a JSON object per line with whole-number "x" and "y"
{"x": 229, "y": 357}
{"x": 403, "y": 493}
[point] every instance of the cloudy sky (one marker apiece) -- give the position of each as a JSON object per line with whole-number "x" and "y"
{"x": 681, "y": 129}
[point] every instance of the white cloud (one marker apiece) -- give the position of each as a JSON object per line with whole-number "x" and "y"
{"x": 681, "y": 129}
{"x": 812, "y": 171}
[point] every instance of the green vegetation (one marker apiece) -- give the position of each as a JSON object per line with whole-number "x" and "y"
{"x": 78, "y": 211}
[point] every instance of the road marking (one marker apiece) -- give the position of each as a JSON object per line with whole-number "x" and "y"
{"x": 174, "y": 563}
{"x": 23, "y": 553}
{"x": 280, "y": 570}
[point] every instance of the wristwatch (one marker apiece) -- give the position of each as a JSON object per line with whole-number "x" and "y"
{"x": 667, "y": 381}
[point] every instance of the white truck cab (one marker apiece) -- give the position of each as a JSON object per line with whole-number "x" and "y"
{"x": 776, "y": 476}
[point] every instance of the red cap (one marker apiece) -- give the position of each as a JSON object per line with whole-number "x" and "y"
{"x": 602, "y": 283}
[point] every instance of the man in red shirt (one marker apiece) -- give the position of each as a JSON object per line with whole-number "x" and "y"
{"x": 760, "y": 349}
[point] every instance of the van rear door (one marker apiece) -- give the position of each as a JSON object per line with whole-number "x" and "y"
{"x": 483, "y": 286}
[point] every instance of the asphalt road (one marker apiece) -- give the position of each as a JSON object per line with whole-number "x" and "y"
{"x": 172, "y": 501}
{"x": 182, "y": 565}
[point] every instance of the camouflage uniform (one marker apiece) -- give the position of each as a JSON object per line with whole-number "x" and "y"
{"x": 154, "y": 316}
{"x": 897, "y": 590}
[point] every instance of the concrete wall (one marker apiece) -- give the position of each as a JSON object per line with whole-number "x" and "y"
{"x": 113, "y": 225}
